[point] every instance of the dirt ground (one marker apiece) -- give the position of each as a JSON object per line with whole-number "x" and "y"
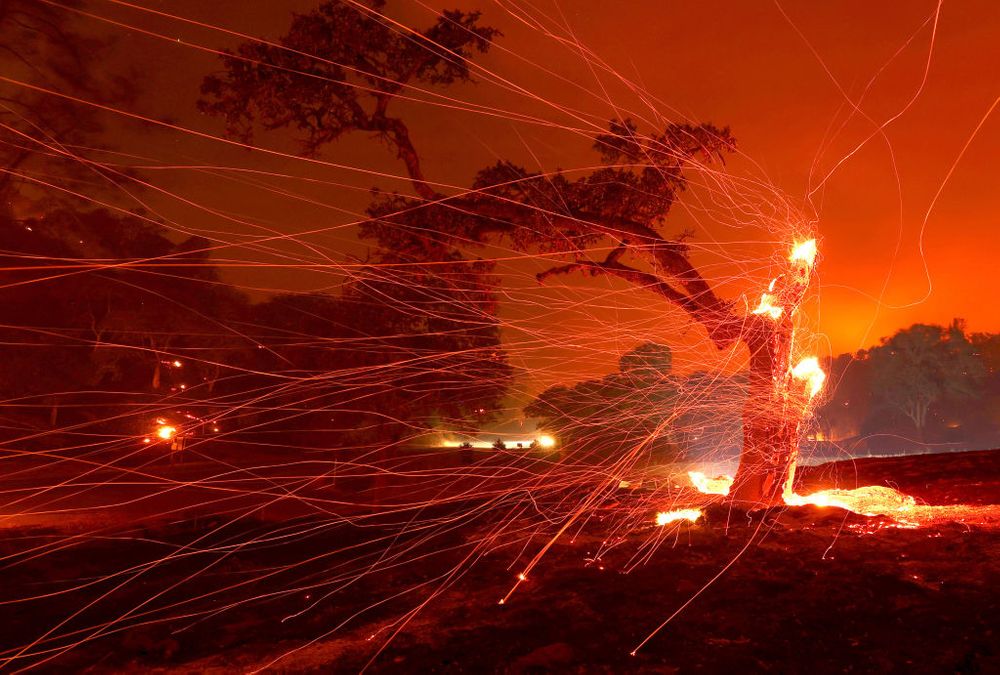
{"x": 801, "y": 590}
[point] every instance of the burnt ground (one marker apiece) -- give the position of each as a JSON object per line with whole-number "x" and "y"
{"x": 808, "y": 590}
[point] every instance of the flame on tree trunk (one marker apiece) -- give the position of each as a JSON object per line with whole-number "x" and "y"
{"x": 776, "y": 398}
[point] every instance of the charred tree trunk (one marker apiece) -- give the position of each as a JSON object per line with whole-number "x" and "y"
{"x": 767, "y": 463}
{"x": 772, "y": 415}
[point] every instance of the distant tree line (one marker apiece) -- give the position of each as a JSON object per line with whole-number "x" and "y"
{"x": 644, "y": 406}
{"x": 107, "y": 323}
{"x": 924, "y": 385}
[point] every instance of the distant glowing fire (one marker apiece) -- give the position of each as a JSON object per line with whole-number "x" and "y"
{"x": 667, "y": 517}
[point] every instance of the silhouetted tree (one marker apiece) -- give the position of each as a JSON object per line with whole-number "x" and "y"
{"x": 622, "y": 411}
{"x": 849, "y": 402}
{"x": 923, "y": 365}
{"x": 937, "y": 381}
{"x": 337, "y": 70}
{"x": 365, "y": 365}
{"x": 105, "y": 302}
{"x": 986, "y": 416}
{"x": 41, "y": 134}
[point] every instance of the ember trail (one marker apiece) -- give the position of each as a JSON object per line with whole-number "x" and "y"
{"x": 370, "y": 335}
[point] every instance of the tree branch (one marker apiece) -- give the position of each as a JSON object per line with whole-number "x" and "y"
{"x": 501, "y": 215}
{"x": 400, "y": 135}
{"x": 722, "y": 326}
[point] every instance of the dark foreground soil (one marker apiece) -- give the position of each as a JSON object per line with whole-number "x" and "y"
{"x": 804, "y": 590}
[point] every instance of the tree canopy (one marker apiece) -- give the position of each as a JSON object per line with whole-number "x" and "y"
{"x": 916, "y": 383}
{"x": 321, "y": 82}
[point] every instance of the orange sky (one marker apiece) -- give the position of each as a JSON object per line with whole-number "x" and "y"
{"x": 780, "y": 82}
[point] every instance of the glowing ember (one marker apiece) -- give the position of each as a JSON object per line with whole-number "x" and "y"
{"x": 546, "y": 442}
{"x": 871, "y": 500}
{"x": 667, "y": 517}
{"x": 710, "y": 486}
{"x": 804, "y": 252}
{"x": 166, "y": 432}
{"x": 809, "y": 371}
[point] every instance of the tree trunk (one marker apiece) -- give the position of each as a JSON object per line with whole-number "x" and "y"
{"x": 772, "y": 415}
{"x": 156, "y": 374}
{"x": 767, "y": 462}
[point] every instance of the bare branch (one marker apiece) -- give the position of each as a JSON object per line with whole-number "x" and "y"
{"x": 721, "y": 324}
{"x": 400, "y": 136}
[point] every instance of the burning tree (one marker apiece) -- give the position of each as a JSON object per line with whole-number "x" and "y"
{"x": 341, "y": 68}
